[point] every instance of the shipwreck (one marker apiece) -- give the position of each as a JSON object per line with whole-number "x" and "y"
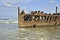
{"x": 37, "y": 18}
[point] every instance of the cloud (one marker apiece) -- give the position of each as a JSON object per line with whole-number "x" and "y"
{"x": 52, "y": 1}
{"x": 7, "y": 4}
{"x": 13, "y": 4}
{"x": 58, "y": 5}
{"x": 24, "y": 1}
{"x": 10, "y": 3}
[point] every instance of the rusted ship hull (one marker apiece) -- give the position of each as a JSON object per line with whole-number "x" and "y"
{"x": 35, "y": 19}
{"x": 40, "y": 24}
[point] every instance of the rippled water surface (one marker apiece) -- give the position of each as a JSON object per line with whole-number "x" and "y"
{"x": 12, "y": 32}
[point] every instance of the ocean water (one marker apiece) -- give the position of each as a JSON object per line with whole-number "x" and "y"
{"x": 12, "y": 32}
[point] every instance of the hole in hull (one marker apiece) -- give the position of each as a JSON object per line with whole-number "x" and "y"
{"x": 34, "y": 26}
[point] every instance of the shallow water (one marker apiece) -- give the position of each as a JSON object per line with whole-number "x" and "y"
{"x": 12, "y": 32}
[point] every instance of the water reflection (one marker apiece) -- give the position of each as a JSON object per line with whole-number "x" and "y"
{"x": 12, "y": 32}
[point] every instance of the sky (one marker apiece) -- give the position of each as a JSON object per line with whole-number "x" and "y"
{"x": 8, "y": 8}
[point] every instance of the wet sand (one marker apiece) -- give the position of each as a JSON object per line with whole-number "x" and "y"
{"x": 12, "y": 32}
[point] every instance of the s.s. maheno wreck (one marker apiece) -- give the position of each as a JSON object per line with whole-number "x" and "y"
{"x": 37, "y": 18}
